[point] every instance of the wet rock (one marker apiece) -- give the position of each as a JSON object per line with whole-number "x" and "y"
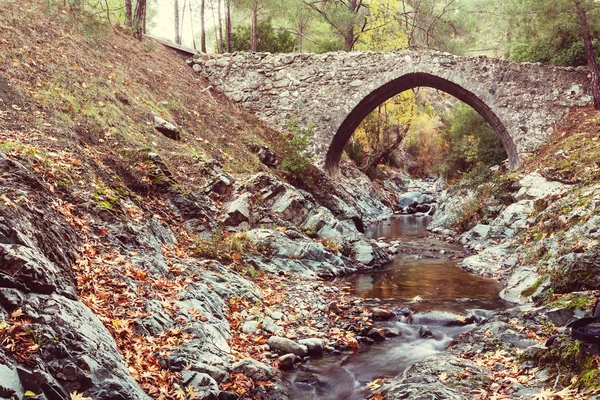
{"x": 284, "y": 345}
{"x": 408, "y": 199}
{"x": 376, "y": 335}
{"x": 287, "y": 361}
{"x": 381, "y": 314}
{"x": 314, "y": 345}
{"x": 334, "y": 308}
{"x": 166, "y": 128}
{"x": 425, "y": 332}
{"x": 365, "y": 340}
{"x": 390, "y": 332}
{"x": 422, "y": 208}
{"x": 228, "y": 396}
{"x": 422, "y": 381}
{"x": 255, "y": 369}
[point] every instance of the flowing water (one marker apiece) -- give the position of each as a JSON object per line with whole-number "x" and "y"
{"x": 435, "y": 289}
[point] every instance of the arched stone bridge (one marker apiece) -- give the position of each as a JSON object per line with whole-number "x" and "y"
{"x": 335, "y": 91}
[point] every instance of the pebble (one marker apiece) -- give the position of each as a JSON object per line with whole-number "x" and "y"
{"x": 250, "y": 326}
{"x": 277, "y": 315}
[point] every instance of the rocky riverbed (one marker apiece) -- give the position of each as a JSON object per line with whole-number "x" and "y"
{"x": 124, "y": 298}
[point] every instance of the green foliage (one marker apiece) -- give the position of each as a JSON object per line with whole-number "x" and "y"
{"x": 355, "y": 151}
{"x": 269, "y": 39}
{"x": 549, "y": 32}
{"x": 471, "y": 142}
{"x": 298, "y": 157}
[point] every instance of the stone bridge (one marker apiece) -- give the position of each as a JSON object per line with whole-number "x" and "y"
{"x": 334, "y": 91}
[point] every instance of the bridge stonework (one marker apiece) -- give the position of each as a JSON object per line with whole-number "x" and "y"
{"x": 334, "y": 91}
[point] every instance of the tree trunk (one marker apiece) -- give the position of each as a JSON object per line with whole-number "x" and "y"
{"x": 139, "y": 21}
{"x": 128, "y": 14}
{"x": 589, "y": 53}
{"x": 192, "y": 25}
{"x": 176, "y": 21}
{"x": 300, "y": 34}
{"x": 254, "y": 29}
{"x": 228, "y": 24}
{"x": 202, "y": 28}
{"x": 349, "y": 38}
{"x": 220, "y": 26}
{"x": 372, "y": 160}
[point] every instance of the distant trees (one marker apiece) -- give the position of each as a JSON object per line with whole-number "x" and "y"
{"x": 267, "y": 38}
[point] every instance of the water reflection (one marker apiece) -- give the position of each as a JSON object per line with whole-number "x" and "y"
{"x": 399, "y": 227}
{"x": 441, "y": 284}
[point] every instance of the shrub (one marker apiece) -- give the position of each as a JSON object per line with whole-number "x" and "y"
{"x": 298, "y": 157}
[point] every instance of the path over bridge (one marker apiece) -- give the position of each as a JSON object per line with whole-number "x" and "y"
{"x": 335, "y": 91}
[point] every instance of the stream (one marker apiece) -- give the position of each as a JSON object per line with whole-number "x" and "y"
{"x": 434, "y": 288}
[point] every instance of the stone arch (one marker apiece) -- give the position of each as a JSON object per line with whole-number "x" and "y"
{"x": 399, "y": 85}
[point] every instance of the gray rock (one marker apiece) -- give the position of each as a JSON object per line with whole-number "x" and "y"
{"x": 10, "y": 385}
{"x": 284, "y": 345}
{"x": 376, "y": 335}
{"x": 408, "y": 199}
{"x": 255, "y": 369}
{"x": 425, "y": 332}
{"x": 270, "y": 326}
{"x": 291, "y": 206}
{"x": 381, "y": 314}
{"x": 424, "y": 199}
{"x": 390, "y": 332}
{"x": 287, "y": 361}
{"x": 559, "y": 316}
{"x": 577, "y": 271}
{"x": 535, "y": 186}
{"x": 277, "y": 315}
{"x": 218, "y": 374}
{"x": 166, "y": 128}
{"x": 315, "y": 346}
{"x": 238, "y": 210}
{"x": 205, "y": 386}
{"x": 250, "y": 327}
{"x": 422, "y": 380}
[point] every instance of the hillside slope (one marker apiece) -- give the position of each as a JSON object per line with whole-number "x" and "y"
{"x": 131, "y": 261}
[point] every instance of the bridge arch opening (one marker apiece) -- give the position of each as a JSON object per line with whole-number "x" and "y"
{"x": 399, "y": 85}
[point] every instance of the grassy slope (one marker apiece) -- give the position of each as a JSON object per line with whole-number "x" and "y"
{"x": 72, "y": 85}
